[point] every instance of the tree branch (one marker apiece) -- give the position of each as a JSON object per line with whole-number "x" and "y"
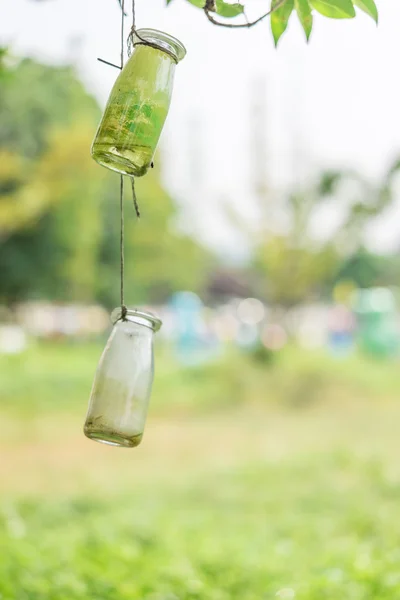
{"x": 241, "y": 25}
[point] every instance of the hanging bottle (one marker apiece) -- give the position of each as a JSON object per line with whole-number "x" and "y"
{"x": 138, "y": 105}
{"x": 121, "y": 389}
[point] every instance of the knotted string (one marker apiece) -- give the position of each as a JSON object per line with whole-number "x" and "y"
{"x": 132, "y": 41}
{"x": 134, "y": 34}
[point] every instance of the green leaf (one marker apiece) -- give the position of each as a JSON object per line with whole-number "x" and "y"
{"x": 228, "y": 10}
{"x": 335, "y": 9}
{"x": 369, "y": 7}
{"x": 198, "y": 3}
{"x": 303, "y": 10}
{"x": 280, "y": 18}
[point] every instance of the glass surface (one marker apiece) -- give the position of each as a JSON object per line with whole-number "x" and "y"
{"x": 121, "y": 389}
{"x": 138, "y": 105}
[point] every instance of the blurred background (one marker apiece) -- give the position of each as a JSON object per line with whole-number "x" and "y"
{"x": 269, "y": 245}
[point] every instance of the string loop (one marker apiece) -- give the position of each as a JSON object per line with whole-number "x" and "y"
{"x": 131, "y": 43}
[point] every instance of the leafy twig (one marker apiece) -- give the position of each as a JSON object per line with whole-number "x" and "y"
{"x": 241, "y": 25}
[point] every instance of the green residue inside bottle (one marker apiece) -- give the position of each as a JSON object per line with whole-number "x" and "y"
{"x": 135, "y": 114}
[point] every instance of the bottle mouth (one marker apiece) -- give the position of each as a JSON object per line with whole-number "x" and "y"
{"x": 161, "y": 40}
{"x": 140, "y": 317}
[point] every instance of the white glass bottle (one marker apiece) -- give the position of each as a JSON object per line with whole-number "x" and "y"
{"x": 121, "y": 389}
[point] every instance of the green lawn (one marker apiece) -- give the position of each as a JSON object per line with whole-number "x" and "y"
{"x": 53, "y": 377}
{"x": 253, "y": 481}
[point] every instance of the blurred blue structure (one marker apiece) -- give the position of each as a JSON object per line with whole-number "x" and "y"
{"x": 341, "y": 330}
{"x": 193, "y": 341}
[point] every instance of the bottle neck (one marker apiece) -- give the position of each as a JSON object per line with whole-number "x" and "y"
{"x": 160, "y": 49}
{"x": 162, "y": 41}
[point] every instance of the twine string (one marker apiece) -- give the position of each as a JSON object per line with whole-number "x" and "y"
{"x": 130, "y": 44}
{"x": 124, "y": 309}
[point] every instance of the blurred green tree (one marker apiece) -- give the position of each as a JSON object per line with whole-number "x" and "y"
{"x": 31, "y": 184}
{"x": 56, "y": 97}
{"x": 367, "y": 269}
{"x": 299, "y": 263}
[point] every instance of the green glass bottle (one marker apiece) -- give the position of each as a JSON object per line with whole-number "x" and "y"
{"x": 138, "y": 105}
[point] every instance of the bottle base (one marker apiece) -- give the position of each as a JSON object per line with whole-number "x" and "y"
{"x": 129, "y": 162}
{"x": 113, "y": 438}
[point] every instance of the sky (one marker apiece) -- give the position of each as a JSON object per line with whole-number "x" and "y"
{"x": 332, "y": 103}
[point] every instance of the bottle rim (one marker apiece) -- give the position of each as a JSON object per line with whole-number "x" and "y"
{"x": 162, "y": 40}
{"x": 140, "y": 317}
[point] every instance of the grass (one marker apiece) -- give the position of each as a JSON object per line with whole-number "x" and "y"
{"x": 324, "y": 528}
{"x": 52, "y": 377}
{"x": 254, "y": 481}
